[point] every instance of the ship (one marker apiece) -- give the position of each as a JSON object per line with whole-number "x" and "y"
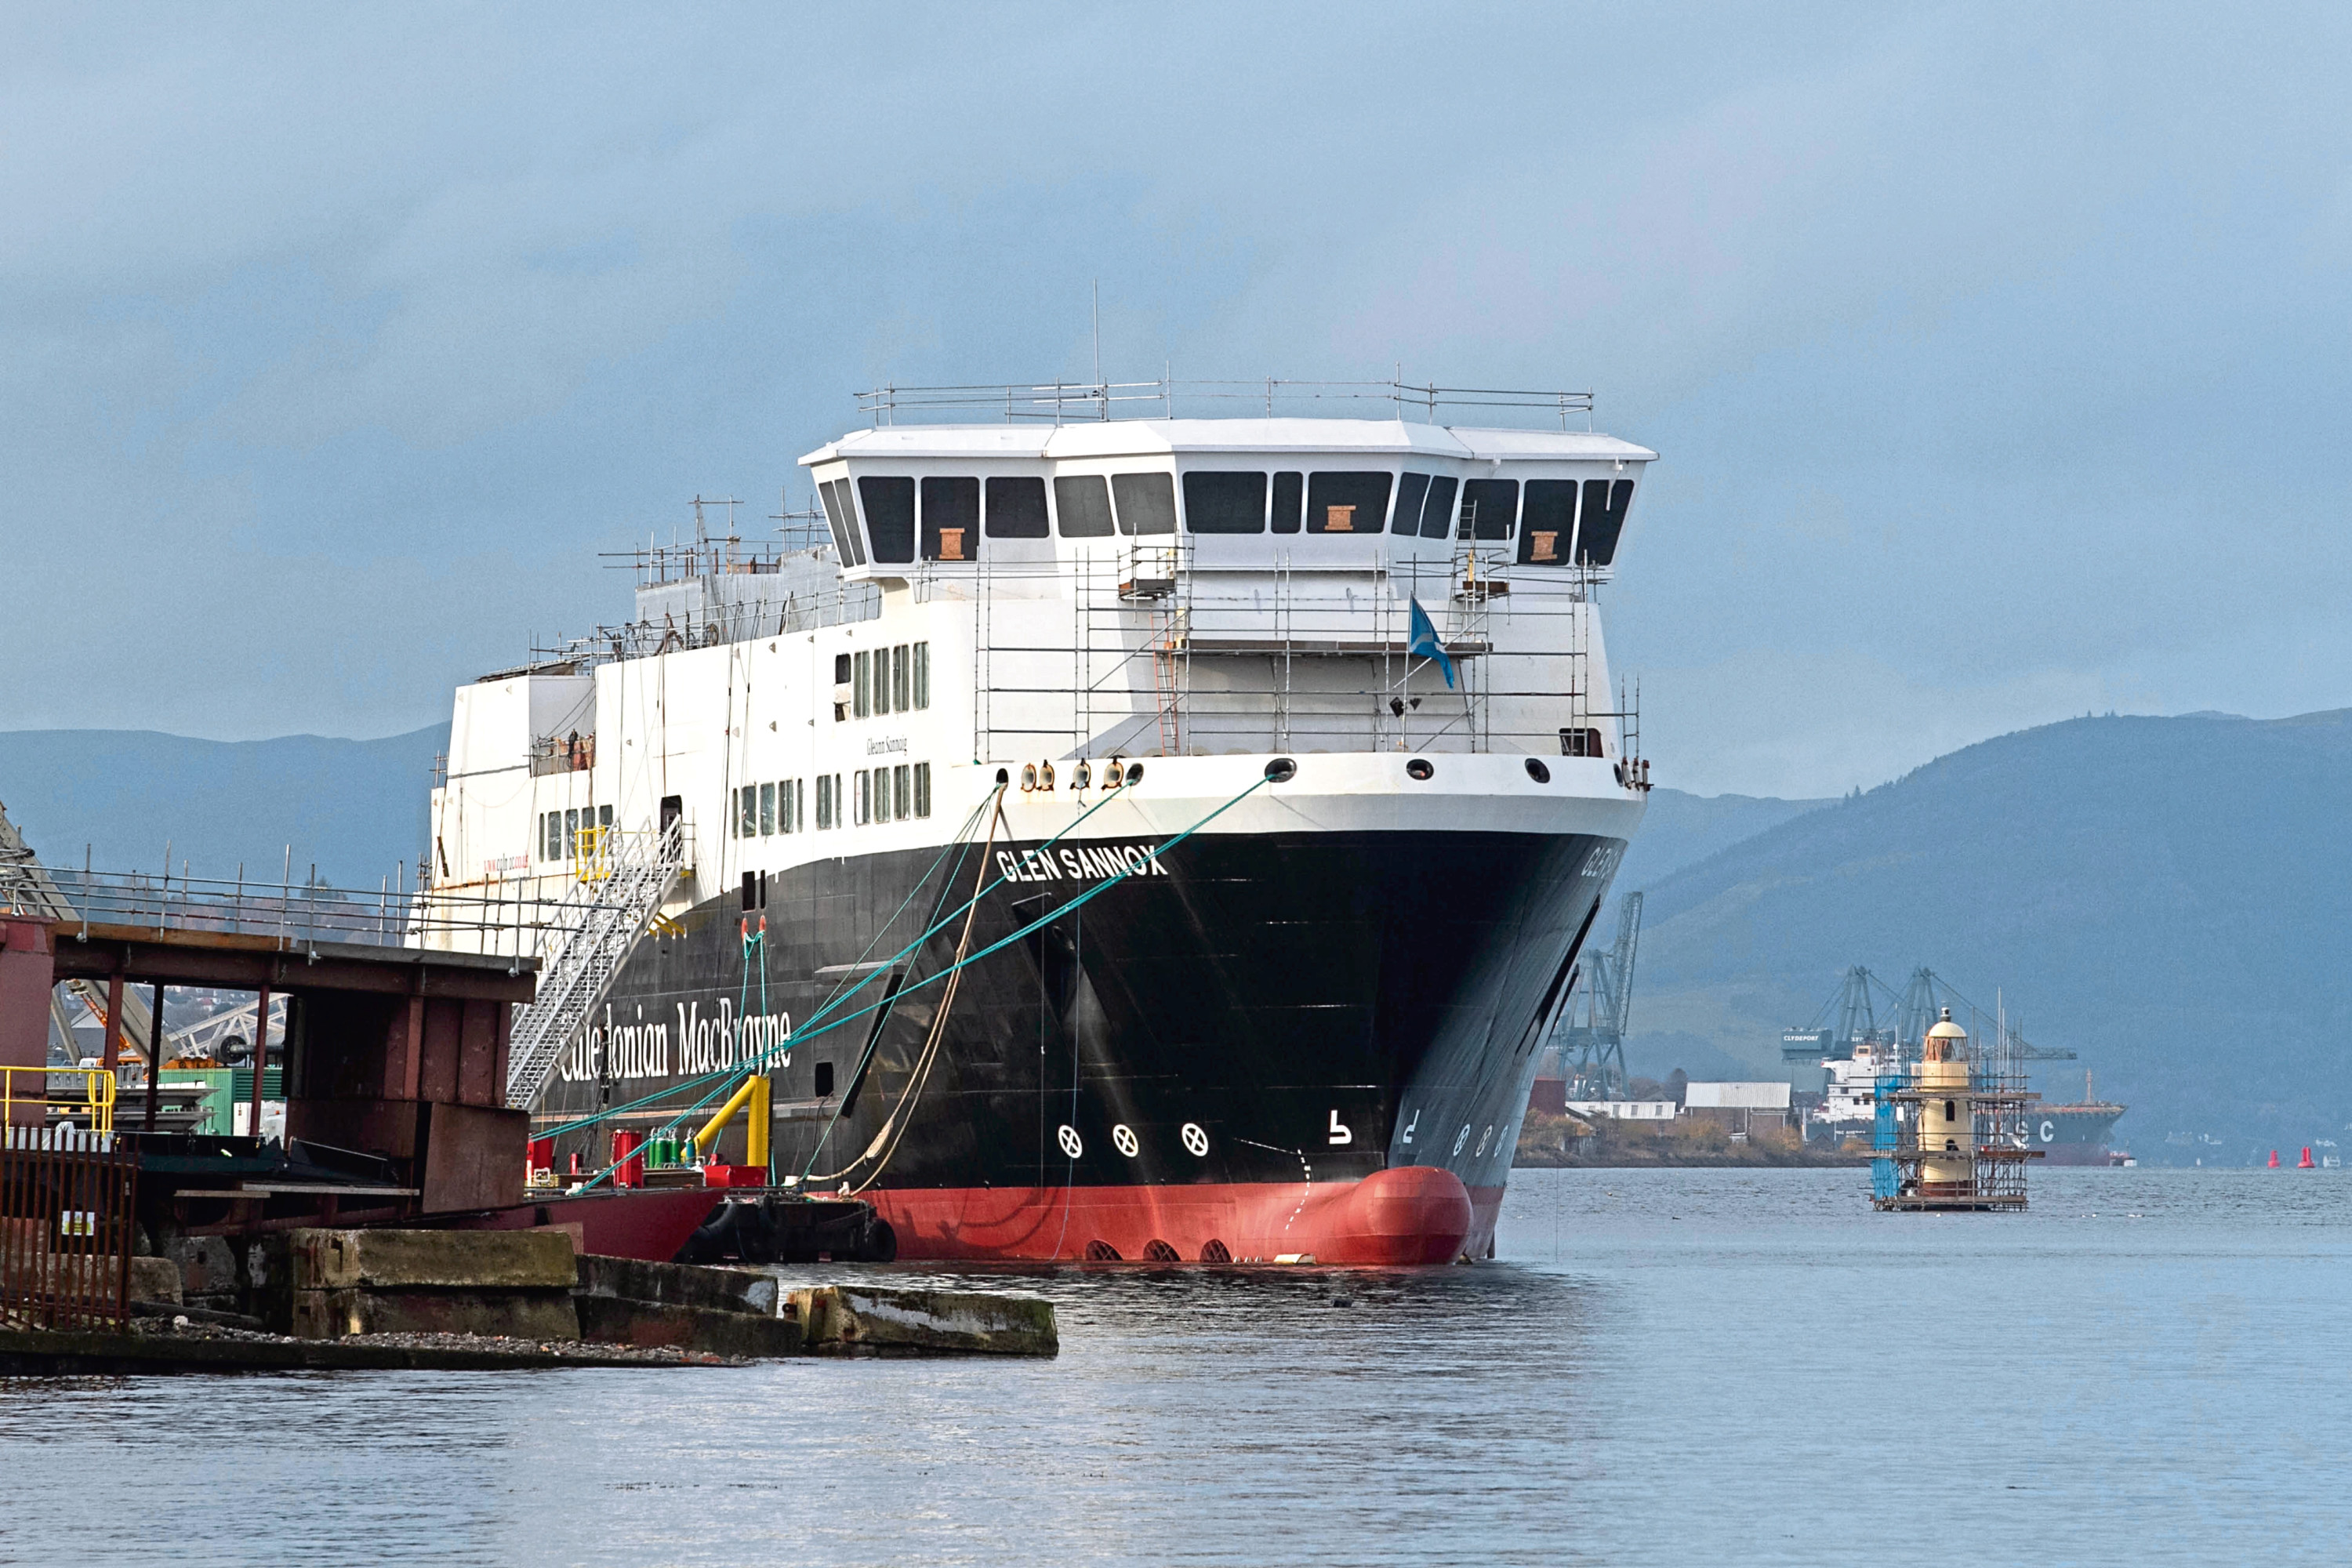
{"x": 2077, "y": 1133}
{"x": 1160, "y": 839}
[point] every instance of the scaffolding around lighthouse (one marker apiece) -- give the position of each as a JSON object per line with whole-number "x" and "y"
{"x": 1950, "y": 1133}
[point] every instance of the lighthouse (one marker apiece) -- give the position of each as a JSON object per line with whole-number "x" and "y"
{"x": 1946, "y": 1129}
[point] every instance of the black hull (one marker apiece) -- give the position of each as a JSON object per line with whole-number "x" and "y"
{"x": 1248, "y": 1009}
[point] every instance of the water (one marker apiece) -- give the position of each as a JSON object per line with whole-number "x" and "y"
{"x": 1669, "y": 1367}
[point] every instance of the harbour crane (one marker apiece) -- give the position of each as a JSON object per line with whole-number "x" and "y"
{"x": 1590, "y": 1035}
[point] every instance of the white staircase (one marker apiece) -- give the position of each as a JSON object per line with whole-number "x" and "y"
{"x": 591, "y": 935}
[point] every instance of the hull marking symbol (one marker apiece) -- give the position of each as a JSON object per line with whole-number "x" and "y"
{"x": 1071, "y": 1143}
{"x": 1341, "y": 1134}
{"x": 1410, "y": 1125}
{"x": 1460, "y": 1141}
{"x": 1195, "y": 1141}
{"x": 1123, "y": 1138}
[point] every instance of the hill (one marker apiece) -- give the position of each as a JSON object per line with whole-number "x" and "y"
{"x": 2166, "y": 897}
{"x": 352, "y": 806}
{"x": 1680, "y": 830}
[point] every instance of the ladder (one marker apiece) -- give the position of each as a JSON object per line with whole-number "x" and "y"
{"x": 591, "y": 932}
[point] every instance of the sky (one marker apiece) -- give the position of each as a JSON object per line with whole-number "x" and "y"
{"x": 1996, "y": 355}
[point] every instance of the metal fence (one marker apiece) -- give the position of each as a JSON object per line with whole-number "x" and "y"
{"x": 68, "y": 1196}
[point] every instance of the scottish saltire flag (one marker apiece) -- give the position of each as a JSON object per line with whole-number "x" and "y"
{"x": 1422, "y": 640}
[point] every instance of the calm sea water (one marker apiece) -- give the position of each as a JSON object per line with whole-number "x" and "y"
{"x": 1670, "y": 1367}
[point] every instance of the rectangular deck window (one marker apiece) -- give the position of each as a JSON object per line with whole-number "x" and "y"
{"x": 902, "y": 792}
{"x": 747, "y": 811}
{"x": 861, "y": 683}
{"x": 902, "y": 679}
{"x": 833, "y": 521}
{"x": 865, "y": 797}
{"x": 570, "y": 834}
{"x": 1016, "y": 508}
{"x": 1549, "y": 522}
{"x": 1489, "y": 507}
{"x": 1146, "y": 503}
{"x": 922, "y": 789}
{"x": 1437, "y": 512}
{"x": 841, "y": 513}
{"x": 1289, "y": 500}
{"x": 1224, "y": 502}
{"x": 1083, "y": 502}
{"x": 922, "y": 675}
{"x": 1348, "y": 503}
{"x": 824, "y": 802}
{"x": 767, "y": 810}
{"x": 950, "y": 519}
{"x": 889, "y": 517}
{"x": 1411, "y": 489}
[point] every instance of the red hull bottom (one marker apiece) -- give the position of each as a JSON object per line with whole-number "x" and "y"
{"x": 649, "y": 1224}
{"x": 1414, "y": 1214}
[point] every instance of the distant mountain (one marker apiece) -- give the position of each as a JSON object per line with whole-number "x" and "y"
{"x": 353, "y": 807}
{"x": 2170, "y": 898}
{"x": 1680, "y": 830}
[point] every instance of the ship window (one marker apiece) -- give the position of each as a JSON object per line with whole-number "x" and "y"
{"x": 1951, "y": 1112}
{"x": 1548, "y": 523}
{"x": 746, "y": 812}
{"x": 950, "y": 519}
{"x": 902, "y": 792}
{"x": 902, "y": 676}
{"x": 823, "y": 1079}
{"x": 832, "y": 520}
{"x": 1016, "y": 508}
{"x": 865, "y": 797}
{"x": 922, "y": 789}
{"x": 1347, "y": 502}
{"x": 922, "y": 675}
{"x": 1605, "y": 505}
{"x": 847, "y": 498}
{"x": 1289, "y": 500}
{"x": 1147, "y": 502}
{"x": 570, "y": 834}
{"x": 889, "y": 516}
{"x": 1224, "y": 502}
{"x": 1437, "y": 512}
{"x": 861, "y": 684}
{"x": 604, "y": 817}
{"x": 1083, "y": 502}
{"x": 1489, "y": 506}
{"x": 767, "y": 810}
{"x": 823, "y": 802}
{"x": 1411, "y": 489}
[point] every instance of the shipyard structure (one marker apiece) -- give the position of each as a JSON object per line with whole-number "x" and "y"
{"x": 1160, "y": 838}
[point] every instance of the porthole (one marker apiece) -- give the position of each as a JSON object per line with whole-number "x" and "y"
{"x": 1196, "y": 1142}
{"x": 1072, "y": 1144}
{"x": 1538, "y": 771}
{"x": 1003, "y": 777}
{"x": 1044, "y": 776}
{"x": 1083, "y": 777}
{"x": 1418, "y": 768}
{"x": 1135, "y": 772}
{"x": 1282, "y": 769}
{"x": 1028, "y": 777}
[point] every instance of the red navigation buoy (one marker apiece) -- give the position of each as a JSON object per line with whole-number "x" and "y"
{"x": 2305, "y": 1163}
{"x": 2273, "y": 1159}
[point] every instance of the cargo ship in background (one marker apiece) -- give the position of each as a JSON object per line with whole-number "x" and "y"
{"x": 1162, "y": 838}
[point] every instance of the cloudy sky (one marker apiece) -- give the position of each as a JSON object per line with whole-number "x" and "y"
{"x": 1998, "y": 356}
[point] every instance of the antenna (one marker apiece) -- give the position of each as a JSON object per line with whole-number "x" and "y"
{"x": 1098, "y": 332}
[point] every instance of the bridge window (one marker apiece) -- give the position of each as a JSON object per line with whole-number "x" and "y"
{"x": 1224, "y": 502}
{"x": 1083, "y": 501}
{"x": 1016, "y": 508}
{"x": 1489, "y": 507}
{"x": 1289, "y": 500}
{"x": 1147, "y": 502}
{"x": 841, "y": 516}
{"x": 1348, "y": 503}
{"x": 950, "y": 519}
{"x": 1605, "y": 505}
{"x": 889, "y": 517}
{"x": 1411, "y": 489}
{"x": 1549, "y": 522}
{"x": 1437, "y": 512}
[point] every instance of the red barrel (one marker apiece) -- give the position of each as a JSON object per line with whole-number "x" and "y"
{"x": 542, "y": 1153}
{"x": 629, "y": 1166}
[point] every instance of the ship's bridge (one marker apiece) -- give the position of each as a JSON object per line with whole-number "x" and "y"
{"x": 937, "y": 500}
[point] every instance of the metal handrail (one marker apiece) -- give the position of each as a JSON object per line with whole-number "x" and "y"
{"x": 1060, "y": 401}
{"x": 96, "y": 1100}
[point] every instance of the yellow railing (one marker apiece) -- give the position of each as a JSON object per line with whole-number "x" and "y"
{"x": 591, "y": 859}
{"x": 37, "y": 1086}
